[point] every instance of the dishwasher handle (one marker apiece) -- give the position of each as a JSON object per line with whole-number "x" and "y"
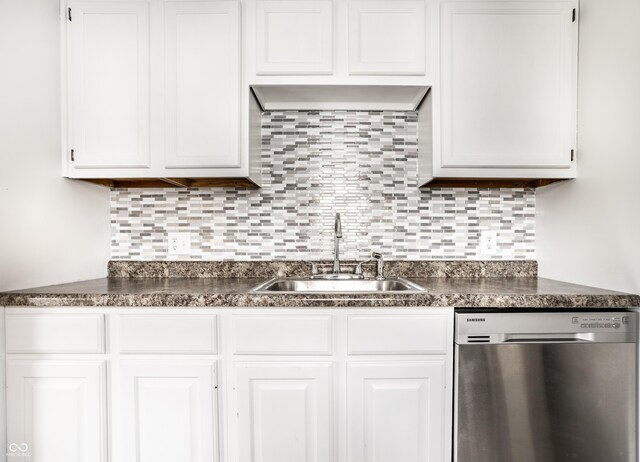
{"x": 572, "y": 337}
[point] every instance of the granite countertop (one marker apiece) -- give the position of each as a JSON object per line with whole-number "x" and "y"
{"x": 472, "y": 292}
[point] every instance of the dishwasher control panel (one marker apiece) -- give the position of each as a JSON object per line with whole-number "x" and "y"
{"x": 545, "y": 327}
{"x": 601, "y": 322}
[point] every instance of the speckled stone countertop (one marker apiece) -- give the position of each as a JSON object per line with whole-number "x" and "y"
{"x": 483, "y": 292}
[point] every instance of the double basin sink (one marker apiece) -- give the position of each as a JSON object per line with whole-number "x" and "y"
{"x": 305, "y": 285}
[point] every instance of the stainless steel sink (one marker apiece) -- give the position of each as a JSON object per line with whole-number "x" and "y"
{"x": 301, "y": 285}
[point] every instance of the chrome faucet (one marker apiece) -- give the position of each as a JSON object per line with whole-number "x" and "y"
{"x": 336, "y": 274}
{"x": 336, "y": 244}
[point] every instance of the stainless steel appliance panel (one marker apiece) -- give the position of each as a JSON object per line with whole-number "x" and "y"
{"x": 547, "y": 400}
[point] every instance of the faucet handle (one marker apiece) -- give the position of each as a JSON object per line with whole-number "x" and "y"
{"x": 314, "y": 267}
{"x": 378, "y": 257}
{"x": 358, "y": 269}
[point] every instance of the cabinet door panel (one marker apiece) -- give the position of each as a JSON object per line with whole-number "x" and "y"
{"x": 508, "y": 84}
{"x": 294, "y": 37}
{"x": 396, "y": 411}
{"x": 109, "y": 84}
{"x": 285, "y": 412}
{"x": 168, "y": 411}
{"x": 56, "y": 410}
{"x": 387, "y": 37}
{"x": 202, "y": 58}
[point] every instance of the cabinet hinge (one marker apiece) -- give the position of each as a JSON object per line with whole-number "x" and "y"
{"x": 69, "y": 13}
{"x": 573, "y": 15}
{"x": 73, "y": 156}
{"x": 573, "y": 156}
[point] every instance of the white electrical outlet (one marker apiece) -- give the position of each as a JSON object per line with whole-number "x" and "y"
{"x": 488, "y": 242}
{"x": 179, "y": 243}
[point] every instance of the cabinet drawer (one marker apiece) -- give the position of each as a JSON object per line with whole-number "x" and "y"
{"x": 282, "y": 335}
{"x": 55, "y": 333}
{"x": 169, "y": 334}
{"x": 396, "y": 334}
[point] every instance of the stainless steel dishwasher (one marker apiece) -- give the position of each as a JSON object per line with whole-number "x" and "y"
{"x": 545, "y": 387}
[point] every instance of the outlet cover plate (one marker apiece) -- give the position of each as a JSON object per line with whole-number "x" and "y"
{"x": 488, "y": 243}
{"x": 179, "y": 243}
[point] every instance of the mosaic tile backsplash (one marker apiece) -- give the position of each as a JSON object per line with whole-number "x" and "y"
{"x": 316, "y": 163}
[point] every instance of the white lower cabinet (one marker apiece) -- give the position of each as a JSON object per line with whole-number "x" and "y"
{"x": 229, "y": 385}
{"x": 285, "y": 412}
{"x": 56, "y": 410}
{"x": 396, "y": 411}
{"x": 168, "y": 411}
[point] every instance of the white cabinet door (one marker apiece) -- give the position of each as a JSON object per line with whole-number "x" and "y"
{"x": 387, "y": 37}
{"x": 56, "y": 410}
{"x": 294, "y": 37}
{"x": 109, "y": 84}
{"x": 396, "y": 411}
{"x": 202, "y": 79}
{"x": 168, "y": 411}
{"x": 508, "y": 84}
{"x": 285, "y": 412}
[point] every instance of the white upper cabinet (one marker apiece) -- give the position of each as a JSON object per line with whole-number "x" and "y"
{"x": 154, "y": 90}
{"x": 507, "y": 89}
{"x": 339, "y": 42}
{"x": 202, "y": 78}
{"x": 387, "y": 37}
{"x": 109, "y": 84}
{"x": 294, "y": 37}
{"x": 161, "y": 89}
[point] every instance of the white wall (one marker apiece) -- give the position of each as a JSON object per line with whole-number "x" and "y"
{"x": 51, "y": 229}
{"x": 588, "y": 230}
